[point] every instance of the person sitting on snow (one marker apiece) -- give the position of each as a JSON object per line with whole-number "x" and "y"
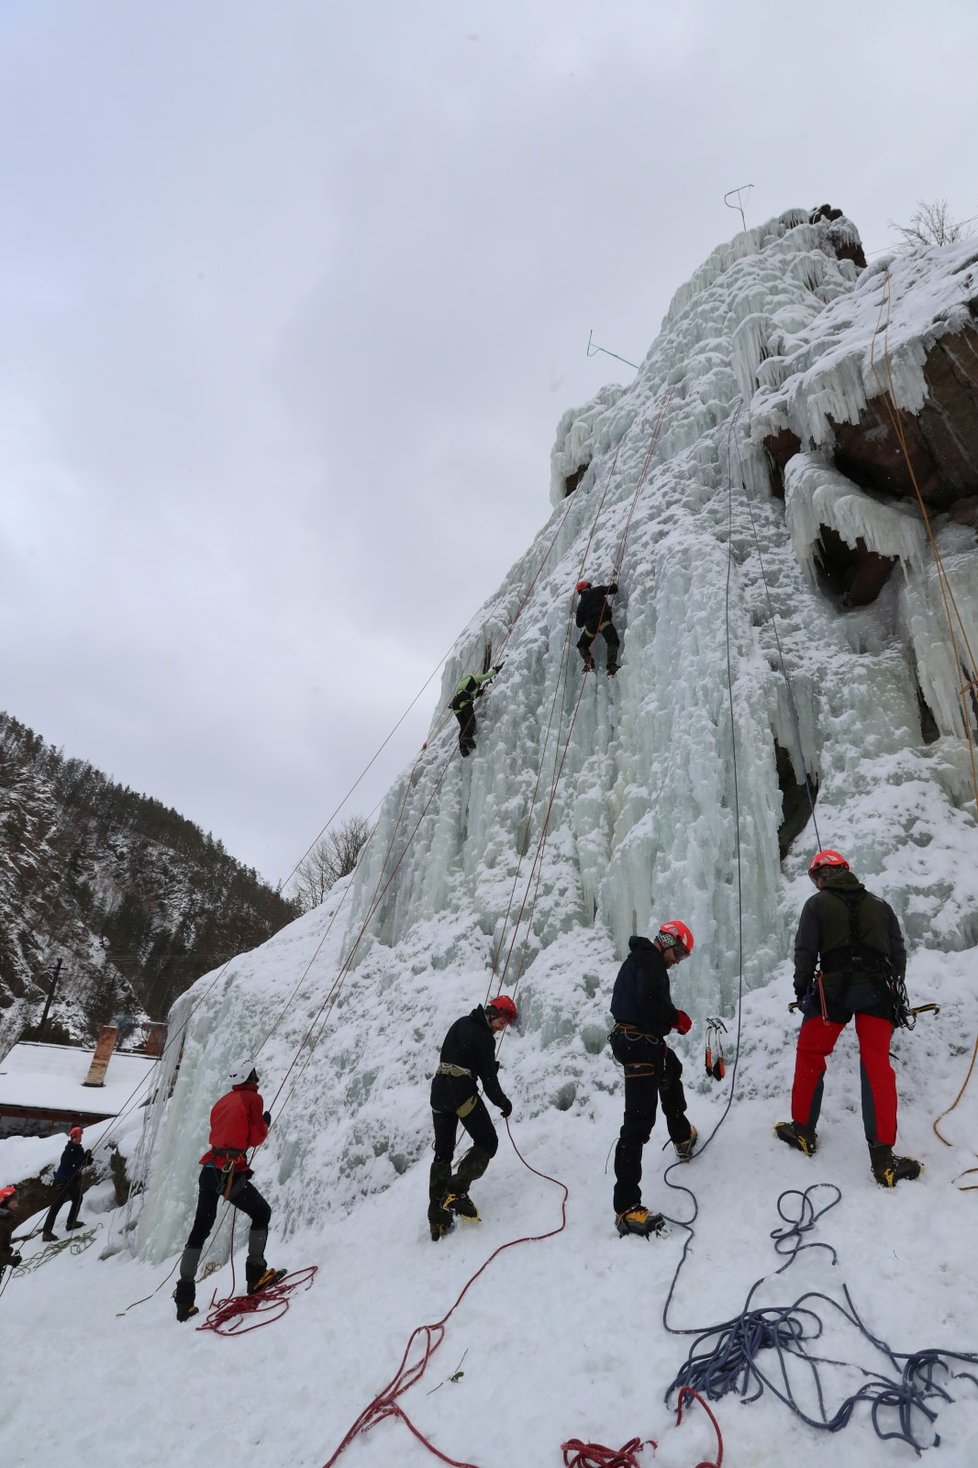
{"x": 468, "y": 1055}
{"x": 594, "y": 615}
{"x": 67, "y": 1180}
{"x": 644, "y": 1014}
{"x": 238, "y": 1123}
{"x": 858, "y": 939}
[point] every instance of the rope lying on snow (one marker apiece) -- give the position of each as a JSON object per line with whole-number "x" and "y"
{"x": 227, "y": 1317}
{"x": 724, "y": 1358}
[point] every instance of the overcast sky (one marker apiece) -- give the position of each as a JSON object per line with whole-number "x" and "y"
{"x": 293, "y": 294}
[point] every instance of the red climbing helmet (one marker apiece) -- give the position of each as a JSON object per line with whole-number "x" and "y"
{"x": 7, "y": 1196}
{"x": 583, "y": 586}
{"x": 75, "y": 1134}
{"x": 826, "y": 861}
{"x": 502, "y": 1007}
{"x": 677, "y": 935}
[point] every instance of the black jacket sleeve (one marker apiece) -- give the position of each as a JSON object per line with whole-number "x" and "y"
{"x": 486, "y": 1069}
{"x": 898, "y": 949}
{"x": 807, "y": 942}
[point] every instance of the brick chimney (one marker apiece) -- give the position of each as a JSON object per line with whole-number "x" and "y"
{"x": 104, "y": 1046}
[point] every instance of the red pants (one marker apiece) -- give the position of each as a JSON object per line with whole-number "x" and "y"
{"x": 879, "y": 1099}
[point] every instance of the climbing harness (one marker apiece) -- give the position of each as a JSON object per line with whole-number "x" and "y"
{"x": 715, "y": 1063}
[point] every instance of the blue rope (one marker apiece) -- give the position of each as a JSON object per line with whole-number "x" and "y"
{"x": 788, "y": 1240}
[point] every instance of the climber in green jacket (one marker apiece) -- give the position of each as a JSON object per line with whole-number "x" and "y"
{"x": 471, "y": 687}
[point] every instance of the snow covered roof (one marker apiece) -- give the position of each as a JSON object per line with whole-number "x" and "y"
{"x": 50, "y": 1078}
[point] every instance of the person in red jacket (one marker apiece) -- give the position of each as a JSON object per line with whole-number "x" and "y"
{"x": 238, "y": 1123}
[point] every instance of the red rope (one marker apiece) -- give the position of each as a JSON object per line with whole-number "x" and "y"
{"x": 593, "y": 1455}
{"x": 579, "y": 1454}
{"x": 272, "y": 1301}
{"x": 385, "y": 1403}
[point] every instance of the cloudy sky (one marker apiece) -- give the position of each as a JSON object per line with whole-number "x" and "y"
{"x": 293, "y": 294}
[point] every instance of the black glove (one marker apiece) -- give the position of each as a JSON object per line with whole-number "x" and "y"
{"x": 14, "y": 1260}
{"x": 613, "y": 588}
{"x": 88, "y": 1159}
{"x": 266, "y": 1117}
{"x": 506, "y": 1109}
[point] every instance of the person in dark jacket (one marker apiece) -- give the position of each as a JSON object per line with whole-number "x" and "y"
{"x": 238, "y": 1123}
{"x": 8, "y": 1220}
{"x": 594, "y": 615}
{"x": 471, "y": 687}
{"x": 67, "y": 1179}
{"x": 857, "y": 939}
{"x": 644, "y": 1014}
{"x": 468, "y": 1056}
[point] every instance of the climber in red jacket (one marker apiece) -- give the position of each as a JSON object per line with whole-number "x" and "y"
{"x": 238, "y": 1123}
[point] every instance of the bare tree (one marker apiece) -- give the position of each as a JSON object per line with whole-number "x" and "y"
{"x": 931, "y": 224}
{"x": 331, "y": 858}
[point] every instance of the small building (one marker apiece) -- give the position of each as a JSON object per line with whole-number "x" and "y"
{"x": 46, "y": 1089}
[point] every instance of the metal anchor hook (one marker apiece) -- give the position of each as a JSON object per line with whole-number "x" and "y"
{"x": 593, "y": 351}
{"x": 739, "y": 206}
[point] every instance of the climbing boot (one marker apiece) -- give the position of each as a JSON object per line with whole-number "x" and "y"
{"x": 440, "y": 1226}
{"x": 78, "y": 1223}
{"x": 612, "y": 669}
{"x": 470, "y": 1168}
{"x": 589, "y": 665}
{"x": 639, "y": 1221}
{"x": 461, "y": 1204}
{"x": 684, "y": 1150}
{"x": 889, "y": 1170}
{"x": 258, "y": 1276}
{"x": 184, "y": 1296}
{"x": 802, "y": 1138}
{"x": 49, "y": 1237}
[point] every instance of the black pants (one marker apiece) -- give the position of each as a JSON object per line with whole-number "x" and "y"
{"x": 478, "y": 1124}
{"x": 211, "y": 1193}
{"x": 612, "y": 641}
{"x": 71, "y": 1189}
{"x": 466, "y": 728}
{"x": 653, "y": 1072}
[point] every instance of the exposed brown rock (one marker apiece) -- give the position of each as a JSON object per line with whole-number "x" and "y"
{"x": 942, "y": 440}
{"x": 852, "y": 573}
{"x": 780, "y": 447}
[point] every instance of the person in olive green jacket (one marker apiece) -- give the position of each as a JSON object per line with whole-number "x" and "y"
{"x": 848, "y": 948}
{"x": 471, "y": 687}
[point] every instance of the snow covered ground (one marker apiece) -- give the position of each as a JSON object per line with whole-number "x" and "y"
{"x": 667, "y": 805}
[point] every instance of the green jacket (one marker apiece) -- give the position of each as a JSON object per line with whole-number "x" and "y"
{"x": 469, "y": 688}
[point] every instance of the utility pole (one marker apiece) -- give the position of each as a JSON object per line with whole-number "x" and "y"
{"x": 47, "y": 1003}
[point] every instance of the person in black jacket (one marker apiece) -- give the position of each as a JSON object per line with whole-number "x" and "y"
{"x": 644, "y": 1014}
{"x": 468, "y": 1055}
{"x": 857, "y": 940}
{"x": 67, "y": 1180}
{"x": 594, "y": 615}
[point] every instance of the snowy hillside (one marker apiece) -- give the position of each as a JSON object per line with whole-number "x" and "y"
{"x": 593, "y": 809}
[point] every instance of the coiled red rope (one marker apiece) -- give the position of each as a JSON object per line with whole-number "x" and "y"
{"x": 271, "y": 1303}
{"x": 579, "y": 1454}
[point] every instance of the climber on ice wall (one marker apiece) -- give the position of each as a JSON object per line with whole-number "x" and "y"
{"x": 594, "y": 615}
{"x": 468, "y": 1055}
{"x": 471, "y": 687}
{"x": 857, "y": 938}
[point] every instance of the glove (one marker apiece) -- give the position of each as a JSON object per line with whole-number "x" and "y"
{"x": 14, "y": 1260}
{"x": 88, "y": 1159}
{"x": 683, "y": 1022}
{"x": 266, "y": 1117}
{"x": 613, "y": 588}
{"x": 506, "y": 1109}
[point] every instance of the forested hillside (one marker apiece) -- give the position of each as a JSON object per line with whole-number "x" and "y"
{"x": 132, "y": 900}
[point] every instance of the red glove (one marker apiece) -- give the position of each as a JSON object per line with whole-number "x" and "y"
{"x": 683, "y": 1022}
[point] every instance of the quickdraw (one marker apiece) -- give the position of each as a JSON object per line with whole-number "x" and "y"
{"x": 715, "y": 1064}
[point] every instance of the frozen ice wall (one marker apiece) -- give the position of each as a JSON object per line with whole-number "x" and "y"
{"x": 668, "y": 801}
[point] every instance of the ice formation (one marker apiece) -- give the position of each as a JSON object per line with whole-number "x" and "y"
{"x": 668, "y": 801}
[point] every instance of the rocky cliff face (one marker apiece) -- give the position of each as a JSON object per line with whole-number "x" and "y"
{"x": 121, "y": 898}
